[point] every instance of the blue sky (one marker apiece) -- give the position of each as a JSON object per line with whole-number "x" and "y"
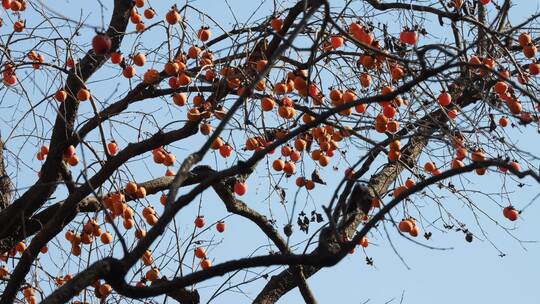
{"x": 465, "y": 273}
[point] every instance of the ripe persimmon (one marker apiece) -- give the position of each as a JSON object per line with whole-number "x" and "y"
{"x": 101, "y": 43}
{"x": 240, "y": 188}
{"x": 220, "y": 226}
{"x": 205, "y": 264}
{"x": 199, "y": 221}
{"x": 172, "y": 17}
{"x": 200, "y": 253}
{"x": 60, "y": 95}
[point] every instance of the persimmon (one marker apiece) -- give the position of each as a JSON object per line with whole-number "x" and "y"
{"x": 360, "y": 108}
{"x": 87, "y": 238}
{"x": 534, "y": 68}
{"x": 240, "y": 188}
{"x": 461, "y": 153}
{"x": 70, "y": 62}
{"x": 399, "y": 190}
{"x": 478, "y": 155}
{"x": 44, "y": 150}
{"x": 267, "y": 104}
{"x": 276, "y": 24}
{"x": 147, "y": 258}
{"x": 452, "y": 114}
{"x": 501, "y": 87}
{"x": 60, "y": 95}
{"x": 141, "y": 192}
{"x": 159, "y": 157}
{"x": 28, "y": 292}
{"x": 217, "y": 143}
{"x": 515, "y": 165}
{"x": 225, "y": 150}
{"x": 20, "y": 247}
{"x": 76, "y": 250}
{"x": 205, "y": 264}
{"x": 220, "y": 226}
{"x": 406, "y": 226}
{"x": 199, "y": 221}
{"x": 397, "y": 73}
{"x": 149, "y": 13}
{"x": 337, "y": 41}
{"x": 131, "y": 188}
{"x": 278, "y": 165}
{"x": 140, "y": 233}
{"x": 204, "y": 34}
{"x": 139, "y": 3}
{"x": 300, "y": 144}
{"x": 73, "y": 160}
{"x": 529, "y": 50}
{"x": 179, "y": 99}
{"x": 172, "y": 17}
{"x": 335, "y": 95}
{"x": 112, "y": 148}
{"x": 515, "y": 107}
{"x": 289, "y": 168}
{"x": 414, "y": 231}
{"x": 105, "y": 290}
{"x": 324, "y": 160}
{"x": 169, "y": 159}
{"x": 361, "y": 34}
{"x": 511, "y": 213}
{"x": 135, "y": 17}
{"x": 83, "y": 94}
{"x": 129, "y": 71}
{"x": 193, "y": 114}
{"x": 139, "y": 59}
{"x": 200, "y": 253}
{"x": 126, "y": 211}
{"x": 503, "y": 121}
{"x": 295, "y": 156}
{"x": 409, "y": 37}
{"x": 364, "y": 242}
{"x": 430, "y": 167}
{"x": 10, "y": 79}
{"x": 18, "y": 26}
{"x": 395, "y": 145}
{"x": 101, "y": 44}
{"x": 389, "y": 112}
{"x": 252, "y": 144}
{"x": 69, "y": 151}
{"x": 394, "y": 155}
{"x": 456, "y": 164}
{"x": 151, "y": 219}
{"x": 444, "y": 99}
{"x": 152, "y": 274}
{"x": 409, "y": 183}
{"x": 88, "y": 227}
{"x": 151, "y": 76}
{"x": 524, "y": 39}
{"x": 280, "y": 88}
{"x": 184, "y": 79}
{"x": 205, "y": 128}
{"x": 69, "y": 235}
{"x": 349, "y": 96}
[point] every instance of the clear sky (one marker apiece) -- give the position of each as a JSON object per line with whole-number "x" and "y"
{"x": 462, "y": 273}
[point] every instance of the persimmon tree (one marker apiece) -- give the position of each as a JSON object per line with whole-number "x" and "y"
{"x": 267, "y": 111}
